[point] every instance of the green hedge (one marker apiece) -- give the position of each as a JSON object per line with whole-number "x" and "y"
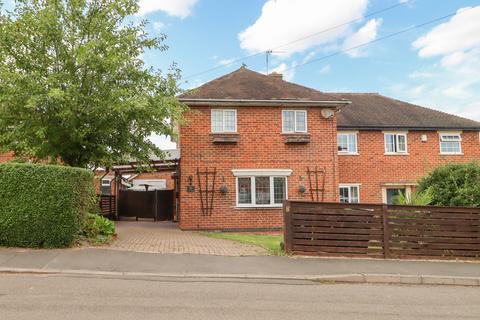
{"x": 453, "y": 185}
{"x": 43, "y": 206}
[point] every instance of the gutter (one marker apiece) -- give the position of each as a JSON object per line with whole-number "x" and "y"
{"x": 260, "y": 103}
{"x": 340, "y": 127}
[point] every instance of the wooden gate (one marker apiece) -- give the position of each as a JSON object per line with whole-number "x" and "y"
{"x": 157, "y": 205}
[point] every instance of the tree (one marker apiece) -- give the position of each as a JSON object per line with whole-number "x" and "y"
{"x": 74, "y": 87}
{"x": 453, "y": 185}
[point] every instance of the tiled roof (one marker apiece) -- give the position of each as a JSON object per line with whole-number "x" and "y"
{"x": 374, "y": 111}
{"x": 245, "y": 84}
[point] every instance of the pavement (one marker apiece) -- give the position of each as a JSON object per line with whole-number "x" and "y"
{"x": 166, "y": 237}
{"x": 104, "y": 262}
{"x": 59, "y": 297}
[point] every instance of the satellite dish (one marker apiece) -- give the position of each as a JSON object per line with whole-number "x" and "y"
{"x": 328, "y": 113}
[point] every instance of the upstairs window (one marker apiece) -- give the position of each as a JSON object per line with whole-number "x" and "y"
{"x": 395, "y": 143}
{"x": 450, "y": 143}
{"x": 294, "y": 121}
{"x": 347, "y": 143}
{"x": 224, "y": 121}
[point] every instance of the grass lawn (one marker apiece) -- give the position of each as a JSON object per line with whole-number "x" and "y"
{"x": 271, "y": 242}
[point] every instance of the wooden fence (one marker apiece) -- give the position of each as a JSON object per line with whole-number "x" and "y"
{"x": 381, "y": 231}
{"x": 107, "y": 205}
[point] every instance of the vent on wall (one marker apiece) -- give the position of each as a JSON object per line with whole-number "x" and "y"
{"x": 424, "y": 138}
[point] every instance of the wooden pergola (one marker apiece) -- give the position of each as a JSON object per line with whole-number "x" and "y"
{"x": 170, "y": 165}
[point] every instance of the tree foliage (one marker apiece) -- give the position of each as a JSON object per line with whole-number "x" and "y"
{"x": 74, "y": 87}
{"x": 453, "y": 185}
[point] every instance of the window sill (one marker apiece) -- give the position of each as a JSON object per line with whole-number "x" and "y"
{"x": 296, "y": 138}
{"x": 396, "y": 154}
{"x": 348, "y": 154}
{"x": 227, "y": 138}
{"x": 451, "y": 154}
{"x": 258, "y": 208}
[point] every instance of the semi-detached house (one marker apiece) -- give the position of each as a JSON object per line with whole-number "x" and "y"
{"x": 253, "y": 140}
{"x": 250, "y": 141}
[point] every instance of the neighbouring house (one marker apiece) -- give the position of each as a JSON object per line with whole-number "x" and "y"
{"x": 253, "y": 140}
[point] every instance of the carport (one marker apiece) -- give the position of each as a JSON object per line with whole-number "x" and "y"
{"x": 146, "y": 200}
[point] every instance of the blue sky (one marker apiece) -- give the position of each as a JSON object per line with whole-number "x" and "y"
{"x": 436, "y": 66}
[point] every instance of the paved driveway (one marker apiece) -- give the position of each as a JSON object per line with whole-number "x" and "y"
{"x": 166, "y": 237}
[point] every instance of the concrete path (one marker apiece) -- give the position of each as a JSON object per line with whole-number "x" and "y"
{"x": 125, "y": 263}
{"x": 166, "y": 237}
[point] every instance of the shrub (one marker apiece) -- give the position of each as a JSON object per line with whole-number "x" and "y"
{"x": 97, "y": 229}
{"x": 43, "y": 206}
{"x": 453, "y": 185}
{"x": 415, "y": 199}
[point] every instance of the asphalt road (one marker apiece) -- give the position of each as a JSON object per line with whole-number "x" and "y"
{"x": 83, "y": 297}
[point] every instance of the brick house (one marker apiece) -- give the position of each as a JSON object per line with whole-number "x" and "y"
{"x": 250, "y": 141}
{"x": 262, "y": 139}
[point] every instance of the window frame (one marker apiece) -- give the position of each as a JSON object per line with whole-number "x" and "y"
{"x": 295, "y": 130}
{"x": 396, "y": 135}
{"x": 348, "y": 134}
{"x": 253, "y": 197}
{"x": 108, "y": 182}
{"x": 446, "y": 133}
{"x": 350, "y": 186}
{"x": 224, "y": 111}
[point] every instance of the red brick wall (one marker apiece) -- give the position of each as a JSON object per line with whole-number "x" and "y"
{"x": 373, "y": 169}
{"x": 261, "y": 146}
{"x": 5, "y": 157}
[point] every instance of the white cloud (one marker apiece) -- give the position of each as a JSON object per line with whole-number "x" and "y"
{"x": 452, "y": 39}
{"x": 453, "y": 85}
{"x": 158, "y": 26}
{"x": 365, "y": 34}
{"x": 421, "y": 74}
{"x": 225, "y": 62}
{"x": 285, "y": 70}
{"x": 283, "y": 21}
{"x": 325, "y": 69}
{"x": 176, "y": 8}
{"x": 163, "y": 142}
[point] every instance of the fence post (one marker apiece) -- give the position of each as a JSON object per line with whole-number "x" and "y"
{"x": 288, "y": 225}
{"x": 386, "y": 232}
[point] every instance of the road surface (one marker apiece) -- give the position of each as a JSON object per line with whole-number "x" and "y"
{"x": 88, "y": 297}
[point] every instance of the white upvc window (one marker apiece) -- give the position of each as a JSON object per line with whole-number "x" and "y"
{"x": 224, "y": 120}
{"x": 255, "y": 188}
{"x": 294, "y": 121}
{"x": 106, "y": 186}
{"x": 347, "y": 143}
{"x": 450, "y": 143}
{"x": 349, "y": 193}
{"x": 395, "y": 143}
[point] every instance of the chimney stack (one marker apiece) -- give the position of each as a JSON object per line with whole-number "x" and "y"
{"x": 276, "y": 75}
